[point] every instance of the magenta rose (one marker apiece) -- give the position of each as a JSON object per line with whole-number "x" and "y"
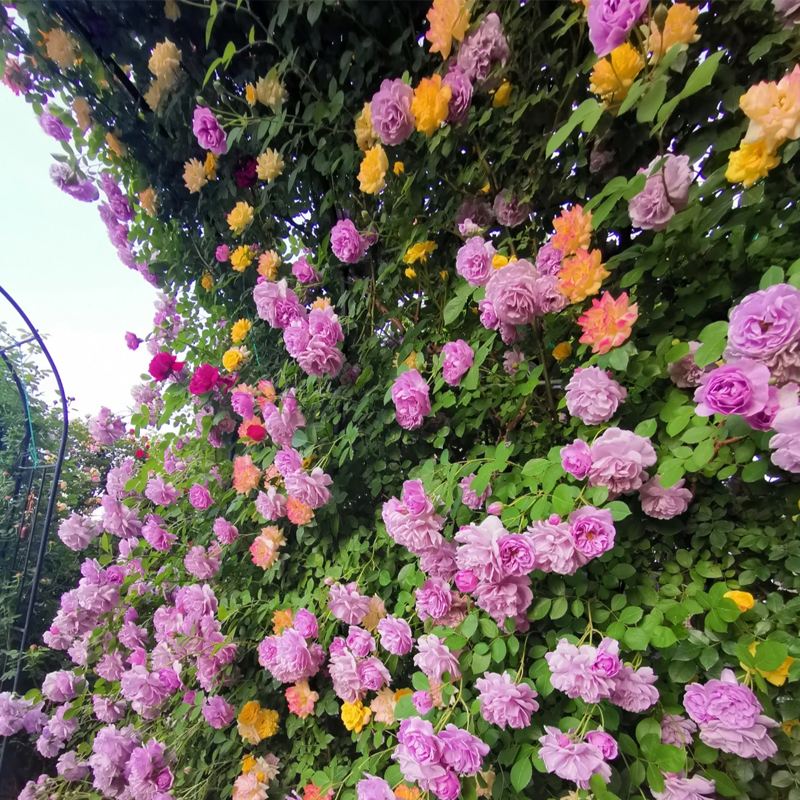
{"x": 411, "y": 399}
{"x": 576, "y": 458}
{"x": 458, "y": 358}
{"x": 592, "y": 530}
{"x": 204, "y": 379}
{"x": 210, "y": 135}
{"x": 200, "y": 497}
{"x": 517, "y": 554}
{"x": 347, "y": 243}
{"x": 474, "y": 263}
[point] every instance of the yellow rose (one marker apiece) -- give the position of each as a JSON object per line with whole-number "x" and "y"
{"x": 365, "y": 133}
{"x": 429, "y": 106}
{"x": 270, "y": 165}
{"x": 267, "y": 723}
{"x": 398, "y": 168}
{"x": 250, "y": 94}
{"x": 443, "y": 274}
{"x": 154, "y": 95}
{"x": 777, "y": 677}
{"x": 268, "y": 264}
{"x": 232, "y": 359}
{"x": 411, "y": 273}
{"x": 742, "y": 599}
{"x": 613, "y": 76}
{"x": 164, "y": 63}
{"x": 449, "y": 20}
{"x": 207, "y": 281}
{"x": 240, "y": 217}
{"x": 116, "y": 145}
{"x": 248, "y": 764}
{"x": 750, "y": 162}
{"x": 240, "y": 330}
{"x": 485, "y": 189}
{"x": 562, "y": 351}
{"x": 241, "y": 258}
{"x": 581, "y": 275}
{"x": 788, "y": 725}
{"x": 371, "y": 176}
{"x": 210, "y": 166}
{"x": 194, "y": 175}
{"x": 499, "y": 261}
{"x": 774, "y": 110}
{"x": 679, "y": 28}
{"x": 249, "y": 712}
{"x": 419, "y": 252}
{"x": 503, "y": 95}
{"x": 148, "y": 201}
{"x": 355, "y": 716}
{"x": 322, "y": 303}
{"x": 270, "y": 91}
{"x": 402, "y": 693}
{"x": 83, "y": 114}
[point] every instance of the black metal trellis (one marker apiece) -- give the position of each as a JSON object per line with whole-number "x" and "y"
{"x": 38, "y": 479}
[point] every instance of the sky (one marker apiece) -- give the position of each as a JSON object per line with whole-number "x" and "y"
{"x": 57, "y": 262}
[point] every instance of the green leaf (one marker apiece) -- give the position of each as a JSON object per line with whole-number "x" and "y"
{"x": 655, "y": 780}
{"x": 405, "y": 708}
{"x": 541, "y": 608}
{"x": 469, "y": 626}
{"x": 704, "y": 754}
{"x": 771, "y": 277}
{"x": 724, "y": 785}
{"x": 648, "y": 106}
{"x": 755, "y": 471}
{"x": 498, "y": 649}
{"x": 619, "y": 510}
{"x": 646, "y": 428}
{"x": 714, "y": 337}
{"x": 584, "y": 111}
{"x": 636, "y": 639}
{"x": 670, "y": 758}
{"x": 563, "y": 500}
{"x": 559, "y": 608}
{"x": 521, "y": 773}
{"x": 631, "y": 615}
{"x": 770, "y": 656}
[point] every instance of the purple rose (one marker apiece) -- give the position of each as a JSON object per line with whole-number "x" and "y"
{"x": 593, "y": 395}
{"x": 592, "y": 530}
{"x": 210, "y": 135}
{"x": 576, "y": 458}
{"x": 766, "y": 326}
{"x": 505, "y": 703}
{"x": 72, "y": 184}
{"x": 483, "y": 48}
{"x": 460, "y": 95}
{"x": 373, "y": 674}
{"x": 458, "y": 358}
{"x": 53, "y": 126}
{"x": 786, "y": 442}
{"x": 508, "y": 209}
{"x": 391, "y": 111}
{"x": 665, "y": 193}
{"x": 132, "y": 341}
{"x": 372, "y": 788}
{"x": 604, "y": 742}
{"x": 739, "y": 387}
{"x": 422, "y": 702}
{"x": 277, "y": 304}
{"x": 222, "y": 253}
{"x": 470, "y": 498}
{"x": 418, "y": 737}
{"x": 410, "y": 395}
{"x": 360, "y": 642}
{"x": 347, "y": 243}
{"x": 620, "y": 460}
{"x": 461, "y": 751}
{"x": 513, "y": 293}
{"x": 610, "y": 22}
{"x": 548, "y": 259}
{"x": 664, "y": 503}
{"x": 433, "y": 599}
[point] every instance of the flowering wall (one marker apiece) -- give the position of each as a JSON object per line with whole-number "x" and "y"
{"x": 474, "y": 389}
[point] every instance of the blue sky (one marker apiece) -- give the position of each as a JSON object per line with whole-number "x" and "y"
{"x": 56, "y": 261}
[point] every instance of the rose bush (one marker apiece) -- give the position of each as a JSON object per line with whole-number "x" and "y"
{"x": 408, "y": 556}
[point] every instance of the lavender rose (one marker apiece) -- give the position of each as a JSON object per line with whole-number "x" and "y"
{"x": 474, "y": 262}
{"x": 478, "y": 211}
{"x": 593, "y": 395}
{"x": 576, "y": 458}
{"x": 664, "y": 503}
{"x": 665, "y": 193}
{"x": 620, "y": 460}
{"x": 548, "y": 259}
{"x": 481, "y": 50}
{"x": 513, "y": 293}
{"x": 391, "y": 111}
{"x": 592, "y": 531}
{"x": 610, "y": 22}
{"x": 210, "y": 135}
{"x": 460, "y": 95}
{"x": 740, "y": 387}
{"x": 411, "y": 399}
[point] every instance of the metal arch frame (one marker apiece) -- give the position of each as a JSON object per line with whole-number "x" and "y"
{"x": 51, "y": 501}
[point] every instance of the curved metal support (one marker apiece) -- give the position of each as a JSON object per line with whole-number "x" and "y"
{"x": 51, "y": 500}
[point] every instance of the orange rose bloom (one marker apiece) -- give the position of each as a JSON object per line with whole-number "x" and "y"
{"x": 581, "y": 274}
{"x": 573, "y": 230}
{"x": 608, "y": 322}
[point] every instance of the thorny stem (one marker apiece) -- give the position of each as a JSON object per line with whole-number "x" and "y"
{"x": 537, "y": 331}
